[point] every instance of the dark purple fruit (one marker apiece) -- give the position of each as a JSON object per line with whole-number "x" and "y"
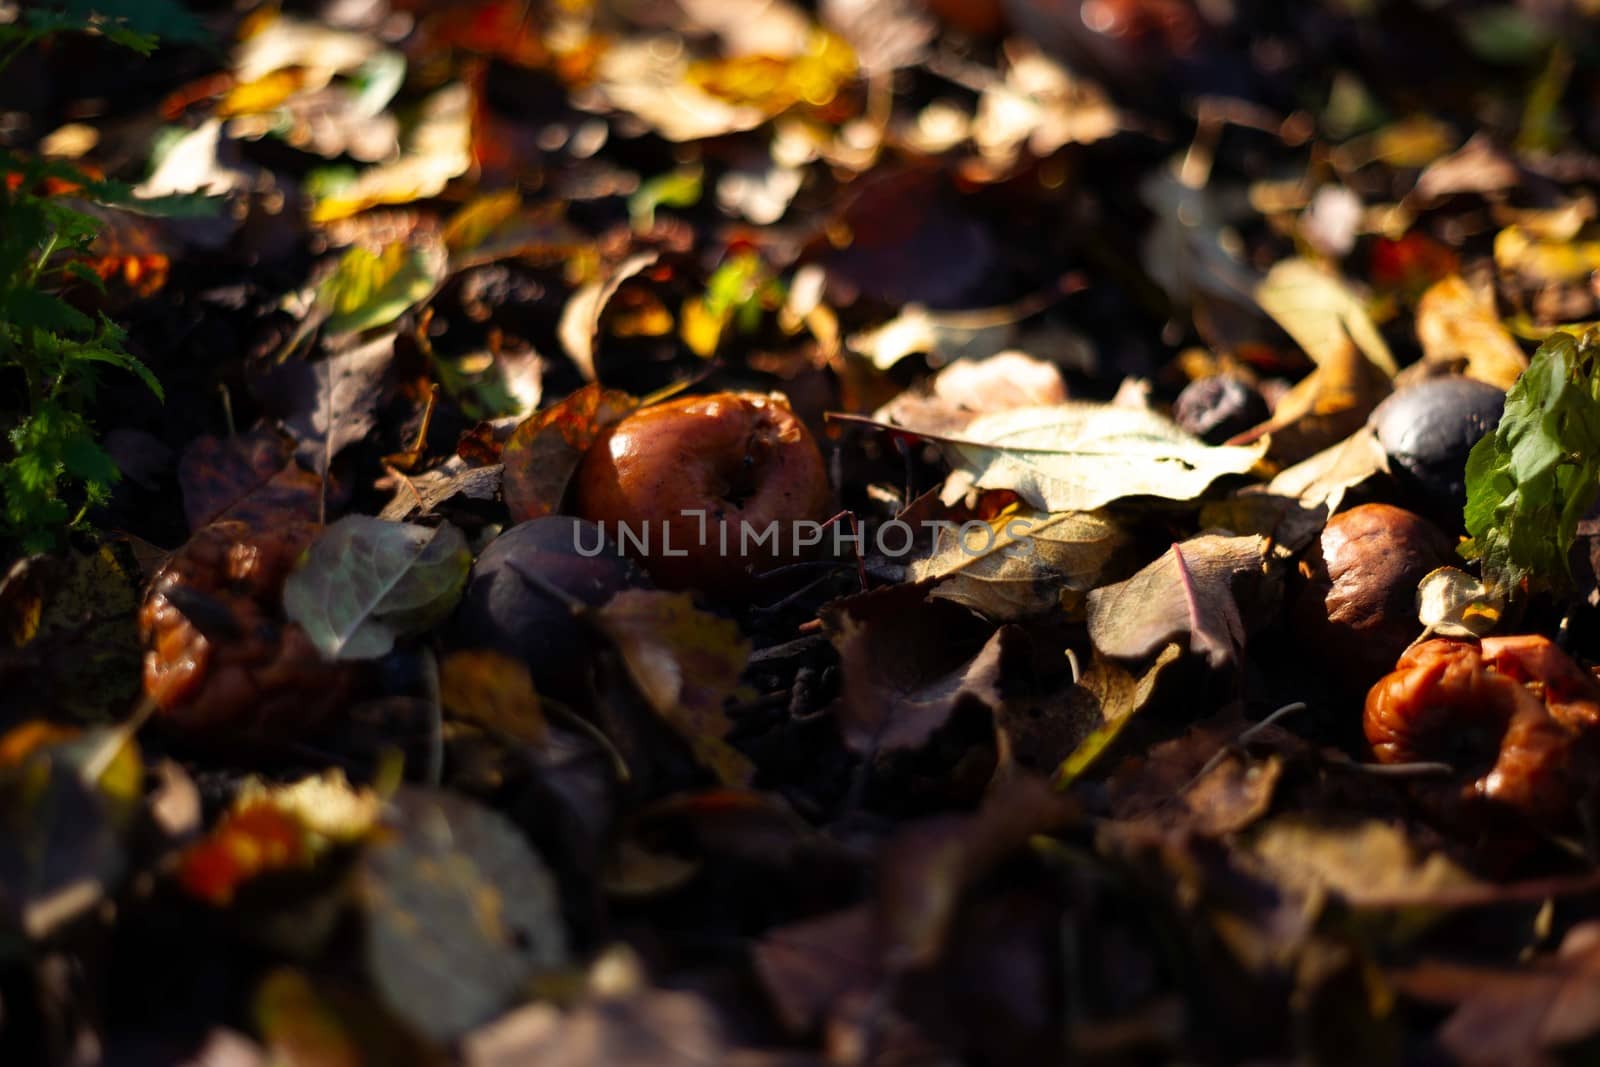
{"x": 1216, "y": 408}
{"x": 511, "y": 604}
{"x": 1428, "y": 429}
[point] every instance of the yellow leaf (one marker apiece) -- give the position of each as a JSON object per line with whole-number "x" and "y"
{"x": 494, "y": 691}
{"x": 686, "y": 663}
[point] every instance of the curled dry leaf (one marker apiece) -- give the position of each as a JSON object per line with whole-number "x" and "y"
{"x": 1325, "y": 406}
{"x": 686, "y": 662}
{"x": 1193, "y": 591}
{"x": 1080, "y": 456}
{"x": 580, "y": 319}
{"x": 1023, "y": 562}
{"x": 1452, "y": 603}
{"x": 365, "y": 582}
{"x": 422, "y": 495}
{"x": 1456, "y": 322}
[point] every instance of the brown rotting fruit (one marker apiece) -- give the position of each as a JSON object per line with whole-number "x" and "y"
{"x": 220, "y": 659}
{"x": 1357, "y": 610}
{"x": 692, "y": 487}
{"x": 1515, "y": 711}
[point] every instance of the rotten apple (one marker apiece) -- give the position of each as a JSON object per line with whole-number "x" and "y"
{"x": 706, "y": 490}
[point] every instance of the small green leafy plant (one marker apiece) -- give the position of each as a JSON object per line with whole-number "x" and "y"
{"x": 52, "y": 468}
{"x": 1532, "y": 480}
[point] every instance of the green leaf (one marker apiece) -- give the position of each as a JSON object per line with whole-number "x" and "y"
{"x": 39, "y": 310}
{"x": 678, "y": 188}
{"x": 373, "y": 289}
{"x": 366, "y": 582}
{"x": 1532, "y": 480}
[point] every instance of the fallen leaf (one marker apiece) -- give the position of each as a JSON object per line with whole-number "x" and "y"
{"x": 364, "y": 583}
{"x": 459, "y": 913}
{"x": 687, "y": 663}
{"x": 1192, "y": 591}
{"x": 930, "y": 864}
{"x": 1117, "y": 695}
{"x": 494, "y": 691}
{"x": 1200, "y": 781}
{"x": 580, "y": 319}
{"x": 546, "y": 448}
{"x": 1321, "y": 480}
{"x": 1452, "y": 603}
{"x": 1360, "y": 861}
{"x": 903, "y": 678}
{"x": 1321, "y": 313}
{"x": 423, "y": 494}
{"x": 1040, "y": 105}
{"x": 1022, "y": 563}
{"x": 1540, "y": 260}
{"x": 1324, "y": 407}
{"x": 1081, "y": 456}
{"x": 332, "y": 403}
{"x": 1527, "y": 1017}
{"x": 810, "y": 966}
{"x": 370, "y": 289}
{"x": 1456, "y": 322}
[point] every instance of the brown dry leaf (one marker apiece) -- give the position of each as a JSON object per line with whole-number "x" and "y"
{"x": 1192, "y": 591}
{"x": 1361, "y": 861}
{"x": 1324, "y": 407}
{"x": 686, "y": 663}
{"x": 907, "y": 669}
{"x": 1172, "y": 785}
{"x": 1116, "y": 696}
{"x": 1516, "y": 1018}
{"x": 332, "y": 403}
{"x": 580, "y": 319}
{"x": 1321, "y": 313}
{"x": 1022, "y": 562}
{"x": 1083, "y": 456}
{"x": 424, "y": 493}
{"x": 248, "y": 476}
{"x": 1455, "y": 321}
{"x": 546, "y": 448}
{"x": 494, "y": 691}
{"x": 1322, "y": 479}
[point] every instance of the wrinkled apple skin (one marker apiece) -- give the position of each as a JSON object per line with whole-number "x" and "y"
{"x": 688, "y": 487}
